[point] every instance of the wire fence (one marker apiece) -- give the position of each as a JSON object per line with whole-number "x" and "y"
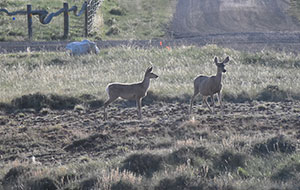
{"x": 42, "y": 25}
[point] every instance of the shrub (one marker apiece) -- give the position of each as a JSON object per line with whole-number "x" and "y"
{"x": 36, "y": 101}
{"x": 62, "y": 102}
{"x": 274, "y": 144}
{"x": 181, "y": 183}
{"x": 87, "y": 143}
{"x": 272, "y": 93}
{"x": 240, "y": 98}
{"x": 122, "y": 185}
{"x": 43, "y": 183}
{"x": 143, "y": 164}
{"x": 287, "y": 172}
{"x": 117, "y": 11}
{"x": 229, "y": 161}
{"x": 88, "y": 183}
{"x": 12, "y": 177}
{"x": 182, "y": 155}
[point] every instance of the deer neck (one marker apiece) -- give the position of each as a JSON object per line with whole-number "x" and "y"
{"x": 219, "y": 75}
{"x": 146, "y": 83}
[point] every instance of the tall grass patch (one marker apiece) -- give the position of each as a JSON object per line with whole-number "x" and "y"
{"x": 267, "y": 76}
{"x": 135, "y": 19}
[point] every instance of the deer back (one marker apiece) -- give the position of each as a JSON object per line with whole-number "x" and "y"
{"x": 207, "y": 85}
{"x": 126, "y": 91}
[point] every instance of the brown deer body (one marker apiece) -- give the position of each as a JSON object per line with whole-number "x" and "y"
{"x": 132, "y": 91}
{"x": 207, "y": 86}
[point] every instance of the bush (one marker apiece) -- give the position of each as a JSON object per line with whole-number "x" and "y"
{"x": 272, "y": 93}
{"x": 182, "y": 155}
{"x": 274, "y": 145}
{"x": 117, "y": 11}
{"x": 43, "y": 183}
{"x": 122, "y": 185}
{"x": 179, "y": 183}
{"x": 88, "y": 183}
{"x": 182, "y": 183}
{"x": 88, "y": 143}
{"x": 62, "y": 102}
{"x": 240, "y": 98}
{"x": 35, "y": 101}
{"x": 143, "y": 164}
{"x": 38, "y": 101}
{"x": 287, "y": 173}
{"x": 12, "y": 177}
{"x": 229, "y": 161}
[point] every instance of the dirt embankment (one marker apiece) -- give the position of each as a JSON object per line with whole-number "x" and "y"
{"x": 201, "y": 17}
{"x": 247, "y": 25}
{"x": 61, "y": 136}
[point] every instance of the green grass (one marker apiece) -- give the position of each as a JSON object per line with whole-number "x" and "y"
{"x": 16, "y": 30}
{"x": 200, "y": 164}
{"x": 143, "y": 19}
{"x": 138, "y": 20}
{"x": 295, "y": 8}
{"x": 252, "y": 76}
{"x": 227, "y": 158}
{"x": 115, "y": 20}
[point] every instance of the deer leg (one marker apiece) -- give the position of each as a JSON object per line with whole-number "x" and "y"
{"x": 213, "y": 102}
{"x": 106, "y": 103}
{"x": 139, "y": 107}
{"x": 191, "y": 104}
{"x": 205, "y": 101}
{"x": 220, "y": 100}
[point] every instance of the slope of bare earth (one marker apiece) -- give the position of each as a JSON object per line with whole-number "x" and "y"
{"x": 201, "y": 17}
{"x": 249, "y": 25}
{"x": 61, "y": 137}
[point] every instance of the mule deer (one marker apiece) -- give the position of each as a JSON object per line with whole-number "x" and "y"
{"x": 208, "y": 86}
{"x": 133, "y": 91}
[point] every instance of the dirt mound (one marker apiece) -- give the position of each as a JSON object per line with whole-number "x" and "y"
{"x": 39, "y": 101}
{"x": 200, "y": 17}
{"x": 143, "y": 164}
{"x": 273, "y": 145}
{"x": 88, "y": 143}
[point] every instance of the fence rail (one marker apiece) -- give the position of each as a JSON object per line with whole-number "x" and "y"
{"x": 45, "y": 17}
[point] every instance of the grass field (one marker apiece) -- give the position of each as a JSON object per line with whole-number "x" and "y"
{"x": 143, "y": 19}
{"x": 249, "y": 75}
{"x": 16, "y": 30}
{"x": 253, "y": 146}
{"x": 114, "y": 20}
{"x": 295, "y": 8}
{"x": 51, "y": 108}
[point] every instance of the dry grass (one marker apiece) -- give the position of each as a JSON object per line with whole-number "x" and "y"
{"x": 206, "y": 152}
{"x": 138, "y": 19}
{"x": 59, "y": 73}
{"x": 183, "y": 167}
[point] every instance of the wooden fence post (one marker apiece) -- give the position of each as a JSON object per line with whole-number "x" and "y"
{"x": 29, "y": 21}
{"x": 66, "y": 20}
{"x": 86, "y": 20}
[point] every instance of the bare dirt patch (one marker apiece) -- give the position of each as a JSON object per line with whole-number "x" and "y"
{"x": 202, "y": 17}
{"x": 64, "y": 136}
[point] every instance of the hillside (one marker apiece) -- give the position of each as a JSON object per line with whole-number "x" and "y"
{"x": 200, "y": 17}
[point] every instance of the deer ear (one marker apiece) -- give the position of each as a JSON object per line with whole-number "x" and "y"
{"x": 226, "y": 60}
{"x": 149, "y": 69}
{"x": 216, "y": 60}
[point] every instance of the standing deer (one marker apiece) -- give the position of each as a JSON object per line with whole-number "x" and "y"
{"x": 208, "y": 86}
{"x": 133, "y": 91}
